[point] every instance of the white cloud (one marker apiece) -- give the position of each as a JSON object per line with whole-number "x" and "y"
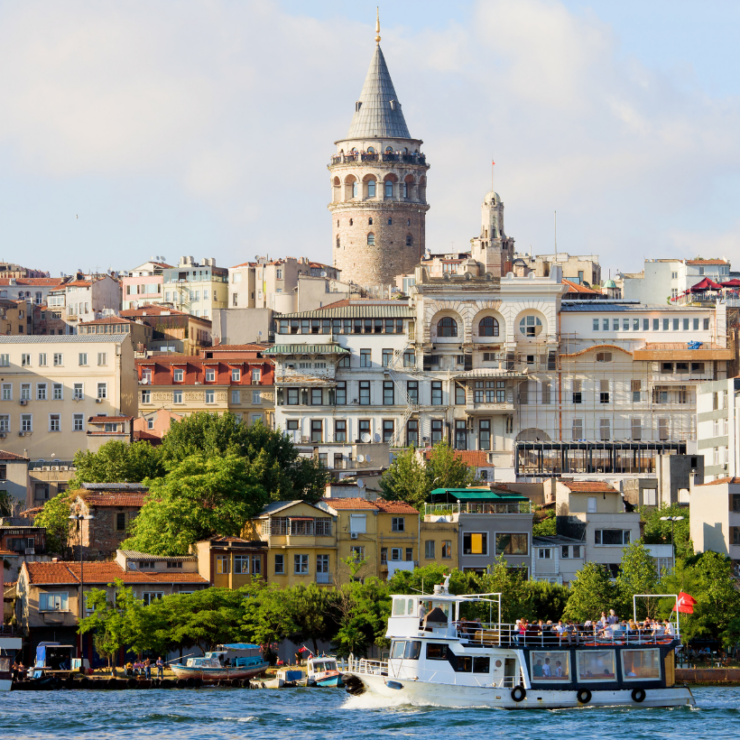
{"x": 235, "y": 106}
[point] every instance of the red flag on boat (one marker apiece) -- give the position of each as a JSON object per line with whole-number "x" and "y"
{"x": 685, "y": 603}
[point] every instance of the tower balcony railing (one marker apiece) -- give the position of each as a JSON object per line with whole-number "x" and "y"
{"x": 390, "y": 157}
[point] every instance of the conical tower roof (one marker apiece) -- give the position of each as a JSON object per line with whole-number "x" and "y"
{"x": 378, "y": 112}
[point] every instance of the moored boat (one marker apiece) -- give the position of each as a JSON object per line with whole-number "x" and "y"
{"x": 8, "y": 648}
{"x": 442, "y": 659}
{"x": 322, "y": 671}
{"x": 231, "y": 662}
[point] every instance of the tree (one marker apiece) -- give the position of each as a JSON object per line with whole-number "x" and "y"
{"x": 545, "y": 523}
{"x": 637, "y": 575}
{"x": 199, "y": 497}
{"x": 591, "y": 593}
{"x": 408, "y": 479}
{"x": 267, "y": 617}
{"x": 55, "y": 518}
{"x": 6, "y": 504}
{"x": 361, "y": 616}
{"x": 272, "y": 457}
{"x": 511, "y": 583}
{"x": 117, "y": 462}
{"x": 310, "y": 607}
{"x": 658, "y": 532}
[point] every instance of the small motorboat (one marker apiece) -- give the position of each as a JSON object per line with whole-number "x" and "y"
{"x": 229, "y": 662}
{"x": 322, "y": 671}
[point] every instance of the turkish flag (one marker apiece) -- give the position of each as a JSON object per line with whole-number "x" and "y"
{"x": 685, "y": 603}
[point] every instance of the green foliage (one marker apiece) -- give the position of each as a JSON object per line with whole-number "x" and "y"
{"x": 6, "y": 504}
{"x": 361, "y": 616}
{"x": 199, "y": 497}
{"x": 512, "y": 584}
{"x": 117, "y": 462}
{"x": 548, "y": 600}
{"x": 311, "y": 606}
{"x": 423, "y": 580}
{"x": 271, "y": 456}
{"x": 658, "y": 532}
{"x": 545, "y": 523}
{"x": 591, "y": 593}
{"x": 267, "y": 614}
{"x": 407, "y": 479}
{"x": 637, "y": 575}
{"x": 55, "y": 517}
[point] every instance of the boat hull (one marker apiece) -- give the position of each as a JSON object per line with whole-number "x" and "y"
{"x": 211, "y": 675}
{"x": 330, "y": 681}
{"x": 422, "y": 693}
{"x": 5, "y": 684}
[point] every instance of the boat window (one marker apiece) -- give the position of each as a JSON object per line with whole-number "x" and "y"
{"x": 410, "y": 610}
{"x": 641, "y": 665}
{"x": 413, "y": 650}
{"x": 481, "y": 664}
{"x": 596, "y": 665}
{"x": 436, "y": 651}
{"x": 4, "y": 665}
{"x": 444, "y": 606}
{"x": 464, "y": 664}
{"x": 550, "y": 665}
{"x": 330, "y": 665}
{"x": 397, "y": 649}
{"x": 398, "y": 605}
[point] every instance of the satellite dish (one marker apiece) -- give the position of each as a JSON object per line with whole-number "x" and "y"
{"x": 367, "y": 458}
{"x": 360, "y": 483}
{"x": 365, "y": 437}
{"x": 377, "y": 438}
{"x": 360, "y": 458}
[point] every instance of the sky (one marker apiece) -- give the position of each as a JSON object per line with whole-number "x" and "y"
{"x": 130, "y": 129}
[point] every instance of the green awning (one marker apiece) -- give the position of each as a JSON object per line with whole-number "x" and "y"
{"x": 484, "y": 495}
{"x": 306, "y": 349}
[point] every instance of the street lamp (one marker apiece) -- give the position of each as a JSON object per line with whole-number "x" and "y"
{"x": 672, "y": 520}
{"x": 79, "y": 518}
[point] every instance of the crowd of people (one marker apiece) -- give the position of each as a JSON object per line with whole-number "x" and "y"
{"x": 143, "y": 668}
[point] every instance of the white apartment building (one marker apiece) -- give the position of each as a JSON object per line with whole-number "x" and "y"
{"x": 34, "y": 290}
{"x": 662, "y": 279}
{"x": 718, "y": 417}
{"x": 52, "y": 386}
{"x": 715, "y": 518}
{"x": 197, "y": 288}
{"x": 85, "y": 299}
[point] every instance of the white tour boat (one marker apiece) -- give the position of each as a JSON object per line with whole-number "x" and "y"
{"x": 441, "y": 659}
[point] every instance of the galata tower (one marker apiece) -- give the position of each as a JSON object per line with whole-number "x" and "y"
{"x": 379, "y": 187}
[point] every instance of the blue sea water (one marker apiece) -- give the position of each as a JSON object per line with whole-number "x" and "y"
{"x": 317, "y": 714}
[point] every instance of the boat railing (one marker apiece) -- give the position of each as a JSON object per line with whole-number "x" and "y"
{"x": 509, "y": 635}
{"x": 372, "y": 667}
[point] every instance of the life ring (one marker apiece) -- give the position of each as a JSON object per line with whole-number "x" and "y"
{"x": 638, "y": 695}
{"x": 584, "y": 696}
{"x": 518, "y": 693}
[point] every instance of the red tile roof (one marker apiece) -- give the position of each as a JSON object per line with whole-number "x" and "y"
{"x": 473, "y": 458}
{"x": 589, "y": 486}
{"x": 32, "y": 281}
{"x": 350, "y": 503}
{"x": 720, "y": 481}
{"x": 395, "y": 507}
{"x": 79, "y": 284}
{"x": 578, "y": 288}
{"x": 113, "y": 499}
{"x": 11, "y": 456}
{"x": 8, "y": 553}
{"x": 64, "y": 573}
{"x": 706, "y": 262}
{"x": 107, "y": 320}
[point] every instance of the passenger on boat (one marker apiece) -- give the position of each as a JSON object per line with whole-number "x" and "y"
{"x": 612, "y": 618}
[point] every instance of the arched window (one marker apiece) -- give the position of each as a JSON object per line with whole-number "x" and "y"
{"x": 337, "y": 223}
{"x": 488, "y": 327}
{"x": 351, "y": 222}
{"x": 371, "y": 150}
{"x": 371, "y": 188}
{"x": 389, "y": 150}
{"x": 409, "y": 240}
{"x": 388, "y": 188}
{"x": 355, "y": 189}
{"x": 447, "y": 327}
{"x": 530, "y": 326}
{"x": 337, "y": 242}
{"x": 390, "y": 222}
{"x": 353, "y": 151}
{"x": 371, "y": 238}
{"x": 370, "y": 221}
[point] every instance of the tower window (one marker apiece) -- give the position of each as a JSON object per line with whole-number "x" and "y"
{"x": 390, "y": 222}
{"x": 371, "y": 189}
{"x": 404, "y": 190}
{"x": 409, "y": 240}
{"x": 337, "y": 223}
{"x": 337, "y": 242}
{"x": 351, "y": 222}
{"x": 389, "y": 150}
{"x": 370, "y": 150}
{"x": 408, "y": 222}
{"x": 388, "y": 188}
{"x": 370, "y": 221}
{"x": 371, "y": 238}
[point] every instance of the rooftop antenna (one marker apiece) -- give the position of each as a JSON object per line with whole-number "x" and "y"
{"x": 377, "y": 26}
{"x": 556, "y": 233}
{"x": 493, "y": 164}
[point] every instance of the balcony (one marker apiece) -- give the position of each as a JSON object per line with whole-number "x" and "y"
{"x": 400, "y": 158}
{"x": 489, "y": 407}
{"x": 453, "y": 511}
{"x": 324, "y": 579}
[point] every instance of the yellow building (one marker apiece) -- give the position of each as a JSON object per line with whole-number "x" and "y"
{"x": 383, "y": 534}
{"x": 301, "y": 541}
{"x": 231, "y": 562}
{"x": 439, "y": 544}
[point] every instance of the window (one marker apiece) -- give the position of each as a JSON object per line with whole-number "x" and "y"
{"x": 429, "y": 549}
{"x": 615, "y": 324}
{"x": 176, "y": 396}
{"x": 210, "y": 396}
{"x": 78, "y": 423}
{"x": 603, "y": 391}
{"x": 447, "y": 327}
{"x": 388, "y": 430}
{"x": 512, "y": 544}
{"x": 437, "y": 651}
{"x": 256, "y": 375}
{"x": 636, "y": 388}
{"x": 666, "y": 324}
{"x": 612, "y": 537}
{"x": 316, "y": 430}
{"x": 604, "y": 430}
{"x": 605, "y": 324}
{"x": 409, "y": 240}
{"x": 150, "y": 422}
{"x": 364, "y": 393}
{"x": 121, "y": 521}
{"x": 7, "y": 392}
{"x": 475, "y": 543}
{"x": 42, "y": 359}
{"x": 210, "y": 375}
{"x": 706, "y": 324}
{"x": 412, "y": 433}
{"x": 387, "y": 357}
{"x": 279, "y": 565}
{"x": 636, "y": 429}
{"x": 603, "y": 357}
{"x": 484, "y": 434}
{"x": 436, "y": 393}
{"x": 409, "y": 359}
{"x": 82, "y": 358}
{"x": 488, "y": 327}
{"x": 396, "y": 553}
{"x": 398, "y": 524}
{"x": 550, "y": 665}
{"x": 5, "y": 360}
{"x": 26, "y": 423}
{"x": 25, "y": 391}
{"x": 26, "y": 360}
{"x": 371, "y": 239}
{"x": 55, "y": 423}
{"x": 341, "y": 394}
{"x": 595, "y": 665}
{"x": 596, "y": 324}
{"x": 316, "y": 396}
{"x": 53, "y": 602}
{"x": 149, "y": 597}
{"x": 437, "y": 431}
{"x": 446, "y": 549}
{"x": 241, "y": 565}
{"x": 388, "y": 393}
{"x": 577, "y": 391}
{"x": 646, "y": 324}
{"x": 300, "y": 564}
{"x": 530, "y": 326}
{"x": 656, "y": 324}
{"x": 459, "y": 394}
{"x": 640, "y": 665}
{"x": 236, "y": 375}
{"x": 544, "y": 553}
{"x": 365, "y": 358}
{"x": 57, "y": 389}
{"x": 41, "y": 391}
{"x": 663, "y": 430}
{"x": 412, "y": 391}
{"x": 388, "y": 190}
{"x": 4, "y": 425}
{"x": 102, "y": 358}
{"x": 235, "y": 397}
